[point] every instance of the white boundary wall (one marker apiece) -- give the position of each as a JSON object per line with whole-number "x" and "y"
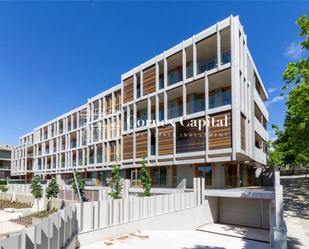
{"x": 95, "y": 215}
{"x": 60, "y": 229}
{"x": 56, "y": 232}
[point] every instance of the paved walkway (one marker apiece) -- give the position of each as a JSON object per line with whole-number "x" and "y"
{"x": 296, "y": 211}
{"x": 177, "y": 240}
{"x": 237, "y": 231}
{"x": 7, "y": 226}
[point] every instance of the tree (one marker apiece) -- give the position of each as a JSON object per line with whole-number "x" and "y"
{"x": 80, "y": 184}
{"x": 52, "y": 189}
{"x": 115, "y": 183}
{"x": 145, "y": 178}
{"x": 292, "y": 145}
{"x": 36, "y": 189}
{"x": 3, "y": 189}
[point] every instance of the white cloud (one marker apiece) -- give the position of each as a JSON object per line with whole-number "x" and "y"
{"x": 277, "y": 99}
{"x": 294, "y": 51}
{"x": 271, "y": 90}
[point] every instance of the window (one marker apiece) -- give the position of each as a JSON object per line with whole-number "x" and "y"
{"x": 189, "y": 70}
{"x": 205, "y": 171}
{"x": 153, "y": 142}
{"x": 195, "y": 103}
{"x": 141, "y": 118}
{"x": 174, "y": 108}
{"x": 175, "y": 76}
{"x": 161, "y": 114}
{"x": 161, "y": 81}
{"x": 226, "y": 57}
{"x": 220, "y": 97}
{"x": 158, "y": 176}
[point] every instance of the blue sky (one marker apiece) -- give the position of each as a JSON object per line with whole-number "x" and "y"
{"x": 56, "y": 55}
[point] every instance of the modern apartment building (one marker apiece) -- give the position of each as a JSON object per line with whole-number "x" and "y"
{"x": 5, "y": 160}
{"x": 196, "y": 109}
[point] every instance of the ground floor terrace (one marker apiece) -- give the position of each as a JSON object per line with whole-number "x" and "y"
{"x": 220, "y": 175}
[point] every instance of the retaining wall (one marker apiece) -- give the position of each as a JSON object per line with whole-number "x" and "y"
{"x": 56, "y": 232}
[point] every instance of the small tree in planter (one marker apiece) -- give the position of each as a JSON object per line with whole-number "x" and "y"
{"x": 80, "y": 185}
{"x": 52, "y": 190}
{"x": 3, "y": 189}
{"x": 115, "y": 183}
{"x": 145, "y": 178}
{"x": 36, "y": 189}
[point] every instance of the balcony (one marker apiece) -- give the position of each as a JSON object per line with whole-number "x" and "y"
{"x": 30, "y": 155}
{"x": 220, "y": 89}
{"x": 141, "y": 113}
{"x": 174, "y": 105}
{"x": 174, "y": 65}
{"x": 195, "y": 97}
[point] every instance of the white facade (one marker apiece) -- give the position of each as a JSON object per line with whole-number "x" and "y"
{"x": 69, "y": 141}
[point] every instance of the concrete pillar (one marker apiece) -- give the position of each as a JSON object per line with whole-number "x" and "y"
{"x": 238, "y": 175}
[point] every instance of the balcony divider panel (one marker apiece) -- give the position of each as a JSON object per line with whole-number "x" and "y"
{"x": 128, "y": 147}
{"x": 141, "y": 144}
{"x": 165, "y": 140}
{"x": 128, "y": 87}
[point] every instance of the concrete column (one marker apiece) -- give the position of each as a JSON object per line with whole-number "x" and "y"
{"x": 100, "y": 108}
{"x": 95, "y": 153}
{"x": 165, "y": 106}
{"x": 206, "y": 115}
{"x": 184, "y": 63}
{"x": 218, "y": 47}
{"x": 194, "y": 58}
{"x": 238, "y": 175}
{"x": 184, "y": 100}
{"x": 113, "y": 103}
{"x": 165, "y": 72}
{"x": 141, "y": 82}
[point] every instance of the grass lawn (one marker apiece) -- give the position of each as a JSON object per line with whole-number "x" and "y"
{"x": 8, "y": 204}
{"x": 27, "y": 220}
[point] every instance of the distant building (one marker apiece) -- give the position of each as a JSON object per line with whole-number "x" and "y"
{"x": 5, "y": 160}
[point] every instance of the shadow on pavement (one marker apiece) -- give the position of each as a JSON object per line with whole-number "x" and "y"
{"x": 294, "y": 243}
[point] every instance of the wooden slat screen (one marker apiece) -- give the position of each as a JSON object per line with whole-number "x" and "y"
{"x": 189, "y": 139}
{"x": 141, "y": 144}
{"x": 149, "y": 80}
{"x": 165, "y": 140}
{"x": 127, "y": 147}
{"x": 220, "y": 137}
{"x": 128, "y": 87}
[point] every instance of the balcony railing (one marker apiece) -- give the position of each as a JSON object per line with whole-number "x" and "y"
{"x": 162, "y": 182}
{"x": 226, "y": 57}
{"x": 174, "y": 77}
{"x": 73, "y": 144}
{"x": 195, "y": 104}
{"x": 220, "y": 98}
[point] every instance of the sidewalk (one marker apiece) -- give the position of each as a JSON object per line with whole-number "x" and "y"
{"x": 296, "y": 211}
